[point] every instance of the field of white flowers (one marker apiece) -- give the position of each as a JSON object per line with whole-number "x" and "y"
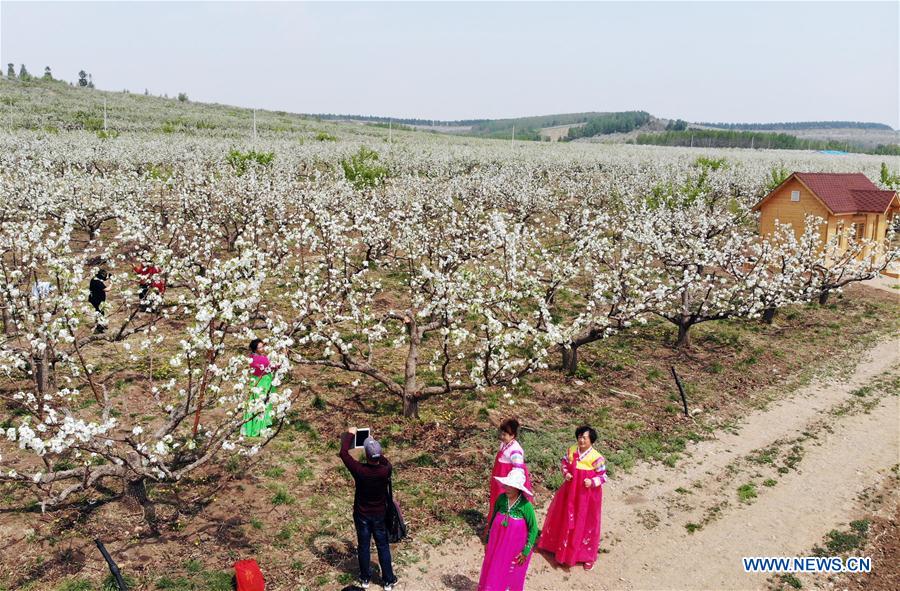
{"x": 425, "y": 267}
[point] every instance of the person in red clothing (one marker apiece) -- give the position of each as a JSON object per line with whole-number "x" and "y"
{"x": 151, "y": 276}
{"x": 369, "y": 507}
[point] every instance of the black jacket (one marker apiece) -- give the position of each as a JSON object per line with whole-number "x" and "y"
{"x": 371, "y": 481}
{"x": 98, "y": 292}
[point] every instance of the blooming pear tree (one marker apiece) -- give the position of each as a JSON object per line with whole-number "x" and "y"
{"x": 446, "y": 286}
{"x": 69, "y": 432}
{"x": 463, "y": 268}
{"x": 697, "y": 234}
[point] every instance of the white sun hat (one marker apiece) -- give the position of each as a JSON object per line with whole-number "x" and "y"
{"x": 515, "y": 479}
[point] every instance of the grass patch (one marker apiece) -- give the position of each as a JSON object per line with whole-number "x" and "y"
{"x": 282, "y": 497}
{"x": 747, "y": 492}
{"x": 840, "y": 542}
{"x": 76, "y": 585}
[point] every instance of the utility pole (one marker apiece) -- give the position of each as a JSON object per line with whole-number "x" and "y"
{"x": 104, "y": 113}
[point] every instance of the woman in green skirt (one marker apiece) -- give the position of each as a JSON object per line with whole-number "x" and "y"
{"x": 261, "y": 386}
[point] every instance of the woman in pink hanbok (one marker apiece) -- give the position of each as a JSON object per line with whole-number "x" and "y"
{"x": 572, "y": 526}
{"x": 510, "y": 541}
{"x": 510, "y": 456}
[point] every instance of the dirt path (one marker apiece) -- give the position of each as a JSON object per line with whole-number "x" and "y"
{"x": 802, "y": 462}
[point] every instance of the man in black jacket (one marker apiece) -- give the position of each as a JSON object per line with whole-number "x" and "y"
{"x": 97, "y": 288}
{"x": 369, "y": 506}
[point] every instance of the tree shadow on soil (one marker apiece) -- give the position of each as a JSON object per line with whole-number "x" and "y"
{"x": 62, "y": 563}
{"x": 474, "y": 519}
{"x": 338, "y": 554}
{"x": 459, "y": 583}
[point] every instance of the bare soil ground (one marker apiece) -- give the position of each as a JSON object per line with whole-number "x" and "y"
{"x": 773, "y": 485}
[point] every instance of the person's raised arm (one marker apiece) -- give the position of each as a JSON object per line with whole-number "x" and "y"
{"x": 346, "y": 439}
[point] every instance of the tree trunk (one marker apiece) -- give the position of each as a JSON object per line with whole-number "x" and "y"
{"x": 410, "y": 402}
{"x": 8, "y": 324}
{"x": 41, "y": 371}
{"x": 823, "y": 297}
{"x": 410, "y": 407}
{"x": 684, "y": 338}
{"x": 136, "y": 491}
{"x": 769, "y": 315}
{"x": 570, "y": 359}
{"x": 94, "y": 230}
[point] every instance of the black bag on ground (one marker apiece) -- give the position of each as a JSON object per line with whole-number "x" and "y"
{"x": 393, "y": 518}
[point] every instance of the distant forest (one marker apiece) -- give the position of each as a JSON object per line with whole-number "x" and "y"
{"x": 798, "y": 125}
{"x": 526, "y": 128}
{"x": 386, "y": 120}
{"x": 716, "y": 138}
{"x": 610, "y": 123}
{"x": 742, "y": 135}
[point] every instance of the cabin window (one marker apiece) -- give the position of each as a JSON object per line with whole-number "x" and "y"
{"x": 858, "y": 231}
{"x": 795, "y": 195}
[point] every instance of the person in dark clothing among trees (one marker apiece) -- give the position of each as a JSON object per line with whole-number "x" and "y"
{"x": 98, "y": 296}
{"x": 369, "y": 506}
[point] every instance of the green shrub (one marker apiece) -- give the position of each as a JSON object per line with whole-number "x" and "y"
{"x": 710, "y": 163}
{"x": 241, "y": 161}
{"x": 362, "y": 170}
{"x": 777, "y": 175}
{"x": 88, "y": 121}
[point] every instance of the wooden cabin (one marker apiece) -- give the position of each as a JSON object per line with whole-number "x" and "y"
{"x": 850, "y": 204}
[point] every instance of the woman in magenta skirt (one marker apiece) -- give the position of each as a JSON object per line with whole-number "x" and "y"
{"x": 513, "y": 531}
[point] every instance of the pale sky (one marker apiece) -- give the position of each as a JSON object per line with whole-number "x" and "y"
{"x": 700, "y": 61}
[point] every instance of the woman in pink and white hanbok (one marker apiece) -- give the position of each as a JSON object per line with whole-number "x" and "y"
{"x": 510, "y": 457}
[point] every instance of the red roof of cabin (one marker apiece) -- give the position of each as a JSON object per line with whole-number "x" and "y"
{"x": 847, "y": 192}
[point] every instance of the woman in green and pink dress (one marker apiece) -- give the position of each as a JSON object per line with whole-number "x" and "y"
{"x": 261, "y": 387}
{"x": 510, "y": 541}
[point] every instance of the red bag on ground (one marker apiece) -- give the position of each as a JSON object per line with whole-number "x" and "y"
{"x": 248, "y": 576}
